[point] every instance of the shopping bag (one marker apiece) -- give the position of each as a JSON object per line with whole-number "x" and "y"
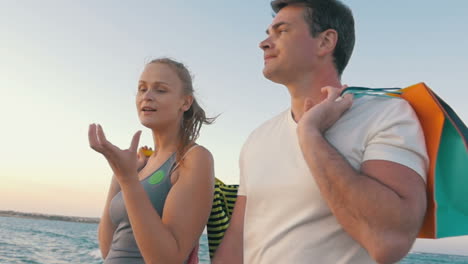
{"x": 225, "y": 196}
{"x": 446, "y": 139}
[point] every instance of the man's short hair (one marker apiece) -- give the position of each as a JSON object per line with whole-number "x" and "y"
{"x": 321, "y": 15}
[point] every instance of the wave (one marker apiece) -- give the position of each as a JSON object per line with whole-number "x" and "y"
{"x": 96, "y": 254}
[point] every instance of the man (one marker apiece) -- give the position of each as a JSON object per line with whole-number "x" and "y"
{"x": 329, "y": 180}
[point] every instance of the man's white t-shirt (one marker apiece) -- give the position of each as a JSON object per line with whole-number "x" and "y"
{"x": 286, "y": 219}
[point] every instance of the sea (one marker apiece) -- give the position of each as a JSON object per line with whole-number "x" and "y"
{"x": 38, "y": 241}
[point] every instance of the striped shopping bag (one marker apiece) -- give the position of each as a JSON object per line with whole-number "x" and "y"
{"x": 447, "y": 144}
{"x": 223, "y": 204}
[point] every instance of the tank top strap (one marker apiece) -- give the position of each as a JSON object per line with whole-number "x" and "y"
{"x": 176, "y": 165}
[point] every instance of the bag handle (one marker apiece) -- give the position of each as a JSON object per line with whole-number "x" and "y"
{"x": 380, "y": 92}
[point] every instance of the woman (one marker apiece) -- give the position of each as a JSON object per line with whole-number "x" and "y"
{"x": 157, "y": 207}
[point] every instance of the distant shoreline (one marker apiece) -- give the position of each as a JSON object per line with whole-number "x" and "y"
{"x": 78, "y": 219}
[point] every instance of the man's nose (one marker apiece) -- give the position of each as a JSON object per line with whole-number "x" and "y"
{"x": 265, "y": 44}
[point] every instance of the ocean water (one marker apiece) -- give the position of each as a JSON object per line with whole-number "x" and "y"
{"x": 36, "y": 241}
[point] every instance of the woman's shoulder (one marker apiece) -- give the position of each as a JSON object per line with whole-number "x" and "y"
{"x": 196, "y": 164}
{"x": 197, "y": 155}
{"x": 197, "y": 160}
{"x": 198, "y": 152}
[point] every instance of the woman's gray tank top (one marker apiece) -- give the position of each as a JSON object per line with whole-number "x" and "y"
{"x": 124, "y": 248}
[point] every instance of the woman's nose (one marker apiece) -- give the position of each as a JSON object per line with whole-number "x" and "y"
{"x": 148, "y": 95}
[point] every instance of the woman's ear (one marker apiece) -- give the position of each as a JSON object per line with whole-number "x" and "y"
{"x": 328, "y": 40}
{"x": 188, "y": 100}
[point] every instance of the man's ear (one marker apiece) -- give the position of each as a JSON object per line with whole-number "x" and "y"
{"x": 328, "y": 40}
{"x": 188, "y": 100}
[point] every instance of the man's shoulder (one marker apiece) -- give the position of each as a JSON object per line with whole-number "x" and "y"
{"x": 380, "y": 102}
{"x": 372, "y": 114}
{"x": 374, "y": 107}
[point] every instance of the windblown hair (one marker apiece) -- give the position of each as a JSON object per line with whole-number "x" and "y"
{"x": 195, "y": 116}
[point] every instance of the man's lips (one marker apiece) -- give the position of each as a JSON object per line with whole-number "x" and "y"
{"x": 267, "y": 58}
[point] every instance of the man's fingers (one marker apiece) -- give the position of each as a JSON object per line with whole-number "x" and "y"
{"x": 307, "y": 104}
{"x": 135, "y": 141}
{"x": 346, "y": 102}
{"x": 349, "y": 97}
{"x": 343, "y": 87}
{"x": 332, "y": 92}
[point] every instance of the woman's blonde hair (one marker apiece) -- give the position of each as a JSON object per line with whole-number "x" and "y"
{"x": 195, "y": 116}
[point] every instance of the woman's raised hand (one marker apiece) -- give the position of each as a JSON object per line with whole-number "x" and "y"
{"x": 124, "y": 163}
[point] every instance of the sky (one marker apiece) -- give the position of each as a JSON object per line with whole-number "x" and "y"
{"x": 65, "y": 64}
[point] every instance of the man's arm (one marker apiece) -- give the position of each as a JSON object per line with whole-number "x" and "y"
{"x": 230, "y": 251}
{"x": 382, "y": 206}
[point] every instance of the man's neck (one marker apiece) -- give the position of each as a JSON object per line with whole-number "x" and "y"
{"x": 310, "y": 87}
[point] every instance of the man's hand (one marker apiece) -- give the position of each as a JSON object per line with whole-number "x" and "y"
{"x": 321, "y": 117}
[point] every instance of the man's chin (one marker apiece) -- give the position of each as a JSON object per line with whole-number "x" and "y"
{"x": 271, "y": 75}
{"x": 267, "y": 73}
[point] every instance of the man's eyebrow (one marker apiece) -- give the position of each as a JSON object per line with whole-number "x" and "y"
{"x": 275, "y": 26}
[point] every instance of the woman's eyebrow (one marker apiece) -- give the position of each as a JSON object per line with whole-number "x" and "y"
{"x": 156, "y": 82}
